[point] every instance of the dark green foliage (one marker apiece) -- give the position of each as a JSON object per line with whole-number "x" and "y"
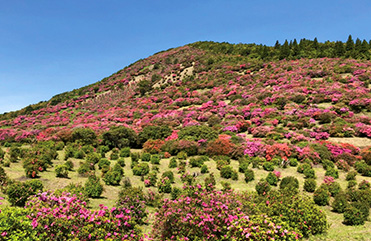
{"x": 93, "y": 187}
{"x": 112, "y": 177}
{"x": 293, "y": 162}
{"x": 182, "y": 155}
{"x": 92, "y": 158}
{"x": 351, "y": 176}
{"x": 170, "y": 175}
{"x": 302, "y": 167}
{"x": 290, "y": 183}
{"x": 272, "y": 179}
{"x": 195, "y": 133}
{"x": 322, "y": 195}
{"x": 196, "y": 162}
{"x": 332, "y": 172}
{"x": 114, "y": 154}
{"x": 340, "y": 203}
{"x": 243, "y": 166}
{"x": 154, "y": 133}
{"x": 310, "y": 185}
{"x": 334, "y": 188}
{"x": 164, "y": 185}
{"x": 204, "y": 169}
{"x": 103, "y": 162}
{"x": 210, "y": 182}
{"x": 262, "y": 187}
{"x": 141, "y": 169}
{"x": 175, "y": 193}
{"x": 19, "y": 192}
{"x": 363, "y": 168}
{"x": 120, "y": 137}
{"x": 125, "y": 152}
{"x": 155, "y": 159}
{"x": 352, "y": 183}
{"x": 173, "y": 163}
{"x": 85, "y": 136}
{"x": 226, "y": 172}
{"x": 268, "y": 166}
{"x": 327, "y": 164}
{"x": 353, "y": 216}
{"x": 121, "y": 162}
{"x": 146, "y": 157}
{"x": 134, "y": 158}
{"x": 61, "y": 171}
{"x": 309, "y": 173}
{"x": 249, "y": 175}
{"x": 234, "y": 175}
{"x": 69, "y": 164}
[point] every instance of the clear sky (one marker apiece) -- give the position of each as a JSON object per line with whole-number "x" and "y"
{"x": 48, "y": 47}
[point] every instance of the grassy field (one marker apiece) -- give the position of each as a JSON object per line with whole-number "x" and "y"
{"x": 337, "y": 231}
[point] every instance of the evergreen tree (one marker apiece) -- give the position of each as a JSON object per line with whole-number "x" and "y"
{"x": 285, "y": 50}
{"x": 277, "y": 46}
{"x": 315, "y": 43}
{"x": 295, "y": 49}
{"x": 339, "y": 50}
{"x": 349, "y": 46}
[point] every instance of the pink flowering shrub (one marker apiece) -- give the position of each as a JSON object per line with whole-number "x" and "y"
{"x": 66, "y": 217}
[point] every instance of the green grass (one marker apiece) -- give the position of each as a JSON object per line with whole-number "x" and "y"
{"x": 337, "y": 231}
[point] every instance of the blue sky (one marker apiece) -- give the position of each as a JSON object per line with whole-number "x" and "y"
{"x": 49, "y": 47}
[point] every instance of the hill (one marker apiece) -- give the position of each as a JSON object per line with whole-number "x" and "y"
{"x": 209, "y": 140}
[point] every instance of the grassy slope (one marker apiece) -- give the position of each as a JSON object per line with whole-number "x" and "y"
{"x": 337, "y": 231}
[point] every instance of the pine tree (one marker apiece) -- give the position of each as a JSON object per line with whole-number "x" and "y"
{"x": 349, "y": 46}
{"x": 315, "y": 43}
{"x": 285, "y": 50}
{"x": 295, "y": 49}
{"x": 277, "y": 46}
{"x": 339, "y": 49}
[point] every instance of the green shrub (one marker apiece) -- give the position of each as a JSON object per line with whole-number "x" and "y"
{"x": 79, "y": 154}
{"x": 92, "y": 158}
{"x": 104, "y": 162}
{"x": 150, "y": 179}
{"x": 164, "y": 185}
{"x": 363, "y": 185}
{"x": 93, "y": 187}
{"x": 112, "y": 177}
{"x": 61, "y": 171}
{"x": 121, "y": 162}
{"x": 125, "y": 152}
{"x": 340, "y": 203}
{"x": 290, "y": 183}
{"x": 133, "y": 198}
{"x": 268, "y": 166}
{"x": 310, "y": 185}
{"x": 204, "y": 169}
{"x": 309, "y": 173}
{"x": 272, "y": 179}
{"x": 249, "y": 175}
{"x": 170, "y": 175}
{"x": 334, "y": 188}
{"x": 302, "y": 167}
{"x": 120, "y": 137}
{"x": 351, "y": 175}
{"x": 175, "y": 193}
{"x": 262, "y": 187}
{"x": 243, "y": 166}
{"x": 69, "y": 164}
{"x": 114, "y": 154}
{"x": 196, "y": 162}
{"x": 141, "y": 169}
{"x": 182, "y": 155}
{"x": 332, "y": 172}
{"x": 353, "y": 216}
{"x": 15, "y": 224}
{"x": 352, "y": 183}
{"x": 321, "y": 196}
{"x": 327, "y": 164}
{"x": 226, "y": 172}
{"x": 85, "y": 136}
{"x": 173, "y": 163}
{"x": 134, "y": 157}
{"x": 155, "y": 159}
{"x": 226, "y": 186}
{"x": 234, "y": 175}
{"x": 19, "y": 192}
{"x": 146, "y": 157}
{"x": 293, "y": 162}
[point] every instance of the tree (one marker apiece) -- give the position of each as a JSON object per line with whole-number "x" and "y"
{"x": 284, "y": 50}
{"x": 85, "y": 135}
{"x": 154, "y": 133}
{"x": 339, "y": 49}
{"x": 120, "y": 137}
{"x": 349, "y": 46}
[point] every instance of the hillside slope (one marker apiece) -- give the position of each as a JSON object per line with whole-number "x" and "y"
{"x": 193, "y": 85}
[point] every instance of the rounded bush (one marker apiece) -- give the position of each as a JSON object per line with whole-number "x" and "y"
{"x": 19, "y": 192}
{"x": 289, "y": 182}
{"x": 61, "y": 171}
{"x": 125, "y": 152}
{"x": 272, "y": 179}
{"x": 340, "y": 203}
{"x": 262, "y": 187}
{"x": 352, "y": 183}
{"x": 173, "y": 163}
{"x": 302, "y": 167}
{"x": 334, "y": 188}
{"x": 353, "y": 216}
{"x": 155, "y": 159}
{"x": 121, "y": 162}
{"x": 249, "y": 175}
{"x": 268, "y": 166}
{"x": 321, "y": 196}
{"x": 309, "y": 173}
{"x": 204, "y": 169}
{"x": 170, "y": 175}
{"x": 112, "y": 178}
{"x": 141, "y": 169}
{"x": 93, "y": 187}
{"x": 146, "y": 157}
{"x": 351, "y": 175}
{"x": 310, "y": 185}
{"x": 332, "y": 172}
{"x": 226, "y": 172}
